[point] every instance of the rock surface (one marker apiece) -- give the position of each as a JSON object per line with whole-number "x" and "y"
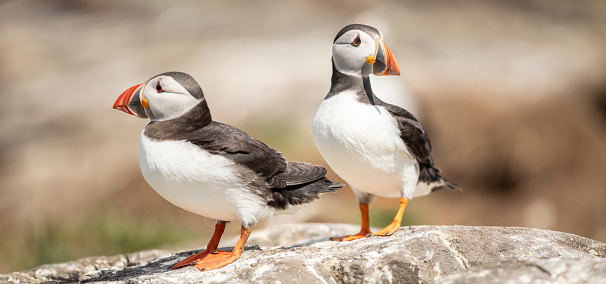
{"x": 301, "y": 253}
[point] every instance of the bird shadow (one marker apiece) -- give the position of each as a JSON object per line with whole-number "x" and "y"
{"x": 305, "y": 243}
{"x": 158, "y": 266}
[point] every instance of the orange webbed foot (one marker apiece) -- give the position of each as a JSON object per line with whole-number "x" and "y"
{"x": 388, "y": 230}
{"x": 364, "y": 230}
{"x": 216, "y": 259}
{"x": 191, "y": 259}
{"x": 360, "y": 235}
{"x": 212, "y": 245}
{"x": 397, "y": 221}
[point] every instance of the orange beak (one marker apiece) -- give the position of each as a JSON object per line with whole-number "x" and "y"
{"x": 130, "y": 102}
{"x": 385, "y": 61}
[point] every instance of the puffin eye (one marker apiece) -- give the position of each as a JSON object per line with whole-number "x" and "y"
{"x": 159, "y": 88}
{"x": 357, "y": 41}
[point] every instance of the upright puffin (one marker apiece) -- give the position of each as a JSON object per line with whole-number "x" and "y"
{"x": 379, "y": 149}
{"x": 210, "y": 168}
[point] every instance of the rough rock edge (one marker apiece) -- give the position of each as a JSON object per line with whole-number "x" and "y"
{"x": 301, "y": 252}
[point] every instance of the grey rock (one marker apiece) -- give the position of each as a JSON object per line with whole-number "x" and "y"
{"x": 554, "y": 270}
{"x": 301, "y": 253}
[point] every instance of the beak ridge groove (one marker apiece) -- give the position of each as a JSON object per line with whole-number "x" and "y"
{"x": 385, "y": 61}
{"x": 130, "y": 102}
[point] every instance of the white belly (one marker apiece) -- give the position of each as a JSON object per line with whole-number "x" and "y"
{"x": 198, "y": 182}
{"x": 362, "y": 144}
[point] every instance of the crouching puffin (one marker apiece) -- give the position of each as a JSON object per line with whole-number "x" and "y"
{"x": 379, "y": 149}
{"x": 210, "y": 168}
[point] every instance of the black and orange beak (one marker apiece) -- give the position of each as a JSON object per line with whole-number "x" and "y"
{"x": 130, "y": 102}
{"x": 385, "y": 62}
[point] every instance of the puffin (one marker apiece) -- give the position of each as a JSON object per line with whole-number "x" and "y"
{"x": 210, "y": 168}
{"x": 379, "y": 149}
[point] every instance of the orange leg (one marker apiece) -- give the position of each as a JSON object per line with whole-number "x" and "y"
{"x": 212, "y": 246}
{"x": 218, "y": 259}
{"x": 397, "y": 221}
{"x": 364, "y": 231}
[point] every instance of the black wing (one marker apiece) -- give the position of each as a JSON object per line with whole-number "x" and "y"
{"x": 240, "y": 147}
{"x": 244, "y": 149}
{"x": 300, "y": 173}
{"x": 411, "y": 131}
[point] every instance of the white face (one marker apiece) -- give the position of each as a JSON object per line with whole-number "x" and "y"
{"x": 167, "y": 98}
{"x": 349, "y": 57}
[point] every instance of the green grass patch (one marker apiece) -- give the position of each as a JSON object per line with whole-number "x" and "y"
{"x": 98, "y": 234}
{"x": 379, "y": 218}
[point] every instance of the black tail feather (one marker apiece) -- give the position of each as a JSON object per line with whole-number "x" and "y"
{"x": 431, "y": 176}
{"x": 301, "y": 193}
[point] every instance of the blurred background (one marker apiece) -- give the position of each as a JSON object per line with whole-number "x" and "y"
{"x": 512, "y": 94}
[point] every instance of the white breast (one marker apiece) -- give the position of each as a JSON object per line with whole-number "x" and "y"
{"x": 362, "y": 144}
{"x": 198, "y": 182}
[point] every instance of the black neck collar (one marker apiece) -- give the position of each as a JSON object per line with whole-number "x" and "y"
{"x": 340, "y": 82}
{"x": 196, "y": 118}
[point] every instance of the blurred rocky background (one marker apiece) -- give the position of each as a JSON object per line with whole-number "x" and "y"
{"x": 512, "y": 93}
